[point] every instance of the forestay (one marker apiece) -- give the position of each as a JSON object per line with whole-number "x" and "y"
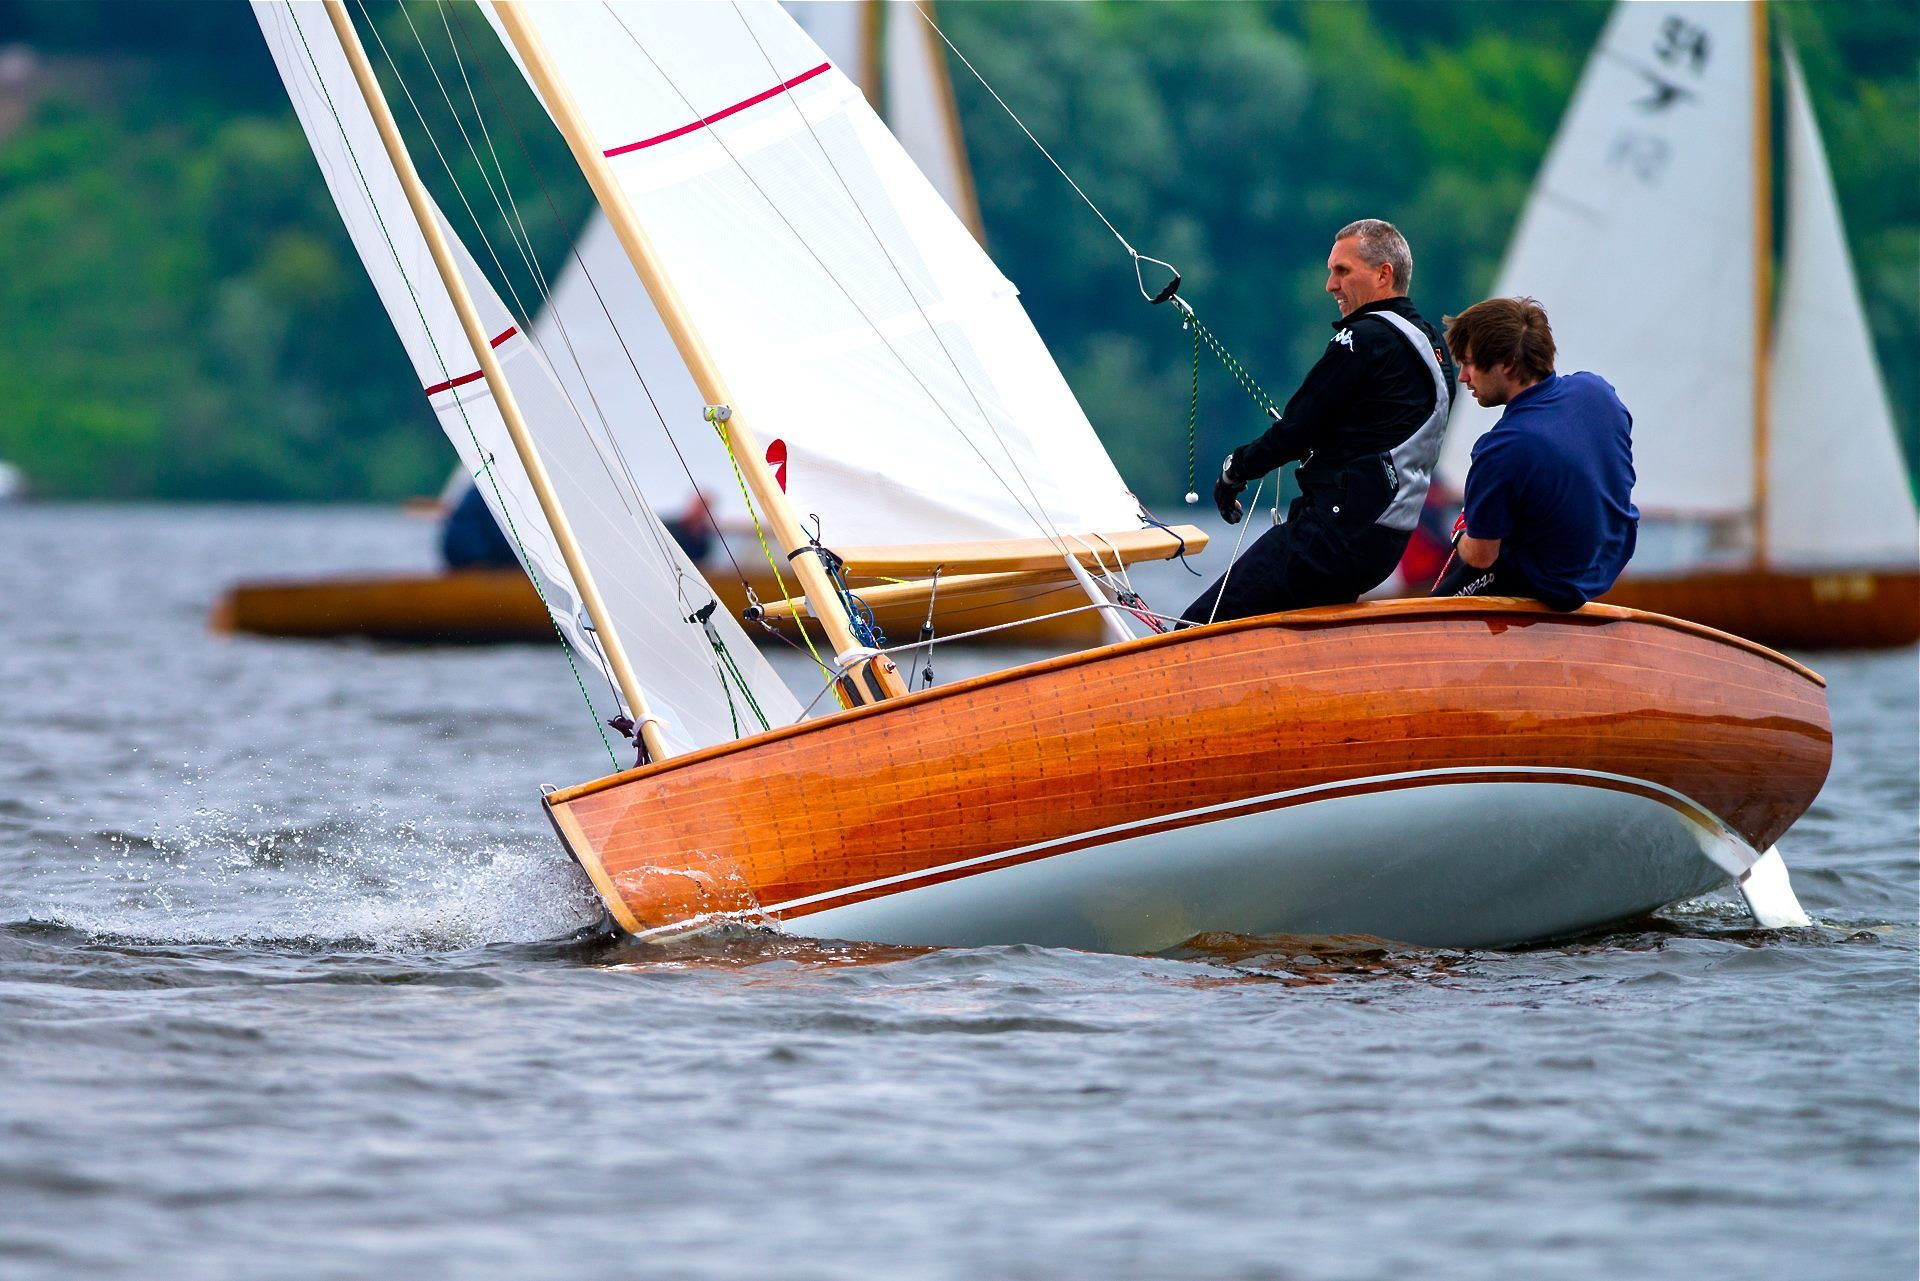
{"x": 857, "y": 322}
{"x": 647, "y": 583}
{"x": 1638, "y": 239}
{"x": 1837, "y": 484}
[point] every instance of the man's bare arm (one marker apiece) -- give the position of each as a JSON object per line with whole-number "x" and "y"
{"x": 1478, "y": 552}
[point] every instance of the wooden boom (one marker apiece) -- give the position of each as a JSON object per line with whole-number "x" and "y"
{"x": 1021, "y": 555}
{"x": 920, "y": 591}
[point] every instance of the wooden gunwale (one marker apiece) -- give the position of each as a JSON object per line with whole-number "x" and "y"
{"x": 1321, "y": 617}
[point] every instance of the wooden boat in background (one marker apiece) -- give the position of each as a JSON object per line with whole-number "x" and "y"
{"x": 1774, "y": 498}
{"x": 1455, "y": 773}
{"x": 489, "y": 606}
{"x": 1475, "y": 772}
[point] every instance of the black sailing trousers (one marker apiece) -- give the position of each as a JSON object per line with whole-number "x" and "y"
{"x": 1310, "y": 560}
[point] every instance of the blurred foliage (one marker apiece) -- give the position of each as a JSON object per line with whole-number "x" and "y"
{"x": 182, "y": 315}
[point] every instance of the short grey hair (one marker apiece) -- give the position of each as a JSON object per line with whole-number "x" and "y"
{"x": 1381, "y": 241}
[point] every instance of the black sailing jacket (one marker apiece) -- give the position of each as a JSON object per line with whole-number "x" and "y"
{"x": 1368, "y": 392}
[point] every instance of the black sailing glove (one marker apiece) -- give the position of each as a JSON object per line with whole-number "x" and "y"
{"x": 1227, "y": 491}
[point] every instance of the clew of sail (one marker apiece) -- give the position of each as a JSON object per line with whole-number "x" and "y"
{"x": 647, "y": 583}
{"x": 854, "y": 317}
{"x": 1838, "y": 490}
{"x": 1638, "y": 239}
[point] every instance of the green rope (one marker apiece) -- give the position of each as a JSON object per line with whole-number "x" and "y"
{"x": 1234, "y": 367}
{"x": 1193, "y": 409}
{"x": 486, "y": 459}
{"x": 726, "y": 439}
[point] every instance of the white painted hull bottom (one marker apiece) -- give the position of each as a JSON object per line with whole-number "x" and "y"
{"x": 1463, "y": 864}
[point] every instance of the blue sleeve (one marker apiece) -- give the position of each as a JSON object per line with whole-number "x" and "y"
{"x": 1494, "y": 480}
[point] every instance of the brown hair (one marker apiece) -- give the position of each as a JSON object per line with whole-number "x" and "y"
{"x": 1503, "y": 331}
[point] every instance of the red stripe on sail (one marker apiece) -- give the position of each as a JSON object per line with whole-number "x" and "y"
{"x": 721, "y": 114}
{"x": 477, "y": 374}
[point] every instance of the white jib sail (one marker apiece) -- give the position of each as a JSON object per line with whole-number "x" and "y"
{"x": 1638, "y": 239}
{"x": 647, "y": 583}
{"x": 1837, "y": 485}
{"x": 860, "y": 326}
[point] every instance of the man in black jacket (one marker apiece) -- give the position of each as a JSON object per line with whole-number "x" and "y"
{"x": 1366, "y": 426}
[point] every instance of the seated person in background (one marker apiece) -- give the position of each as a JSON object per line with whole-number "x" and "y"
{"x": 469, "y": 538}
{"x": 1549, "y": 511}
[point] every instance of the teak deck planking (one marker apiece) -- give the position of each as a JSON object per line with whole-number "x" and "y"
{"x": 1223, "y": 715}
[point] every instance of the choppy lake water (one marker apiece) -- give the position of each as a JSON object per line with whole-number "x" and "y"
{"x": 295, "y": 983}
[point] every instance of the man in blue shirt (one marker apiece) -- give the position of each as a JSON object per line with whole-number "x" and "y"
{"x": 1549, "y": 511}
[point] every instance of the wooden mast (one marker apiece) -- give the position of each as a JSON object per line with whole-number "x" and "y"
{"x": 1762, "y": 277}
{"x": 478, "y": 339}
{"x": 822, "y": 596}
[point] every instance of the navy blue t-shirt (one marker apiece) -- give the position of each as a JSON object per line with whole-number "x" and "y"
{"x": 1553, "y": 481}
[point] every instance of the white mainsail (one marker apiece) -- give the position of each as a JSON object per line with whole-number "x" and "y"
{"x": 647, "y": 583}
{"x": 1639, "y": 240}
{"x": 853, "y": 315}
{"x": 1837, "y": 485}
{"x": 605, "y": 339}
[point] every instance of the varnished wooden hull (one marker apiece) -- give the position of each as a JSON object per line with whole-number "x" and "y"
{"x": 489, "y": 606}
{"x": 1839, "y": 609}
{"x": 1379, "y": 768}
{"x": 475, "y": 606}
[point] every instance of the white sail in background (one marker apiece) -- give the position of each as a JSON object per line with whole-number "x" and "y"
{"x": 1639, "y": 240}
{"x": 857, "y": 322}
{"x": 647, "y": 583}
{"x": 920, "y": 108}
{"x": 1837, "y": 485}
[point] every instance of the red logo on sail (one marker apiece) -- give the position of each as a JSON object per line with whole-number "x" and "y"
{"x": 777, "y": 459}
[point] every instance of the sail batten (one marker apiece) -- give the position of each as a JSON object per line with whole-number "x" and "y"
{"x": 1639, "y": 241}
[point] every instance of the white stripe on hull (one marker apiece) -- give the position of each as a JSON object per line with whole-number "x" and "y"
{"x": 1443, "y": 864}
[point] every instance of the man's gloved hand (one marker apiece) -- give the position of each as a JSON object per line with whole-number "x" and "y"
{"x": 1227, "y": 491}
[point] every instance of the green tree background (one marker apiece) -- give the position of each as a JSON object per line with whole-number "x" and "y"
{"x": 183, "y": 317}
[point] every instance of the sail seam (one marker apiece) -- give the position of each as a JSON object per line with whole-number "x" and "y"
{"x": 721, "y": 114}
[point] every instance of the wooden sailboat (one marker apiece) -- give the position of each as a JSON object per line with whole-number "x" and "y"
{"x": 1448, "y": 772}
{"x": 1774, "y": 497}
{"x": 608, "y": 347}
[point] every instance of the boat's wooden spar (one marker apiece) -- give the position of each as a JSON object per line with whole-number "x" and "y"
{"x": 951, "y": 782}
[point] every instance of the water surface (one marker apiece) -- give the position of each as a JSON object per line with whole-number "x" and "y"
{"x": 294, "y": 982}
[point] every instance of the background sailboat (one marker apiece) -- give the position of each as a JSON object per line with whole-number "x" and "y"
{"x": 1775, "y": 501}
